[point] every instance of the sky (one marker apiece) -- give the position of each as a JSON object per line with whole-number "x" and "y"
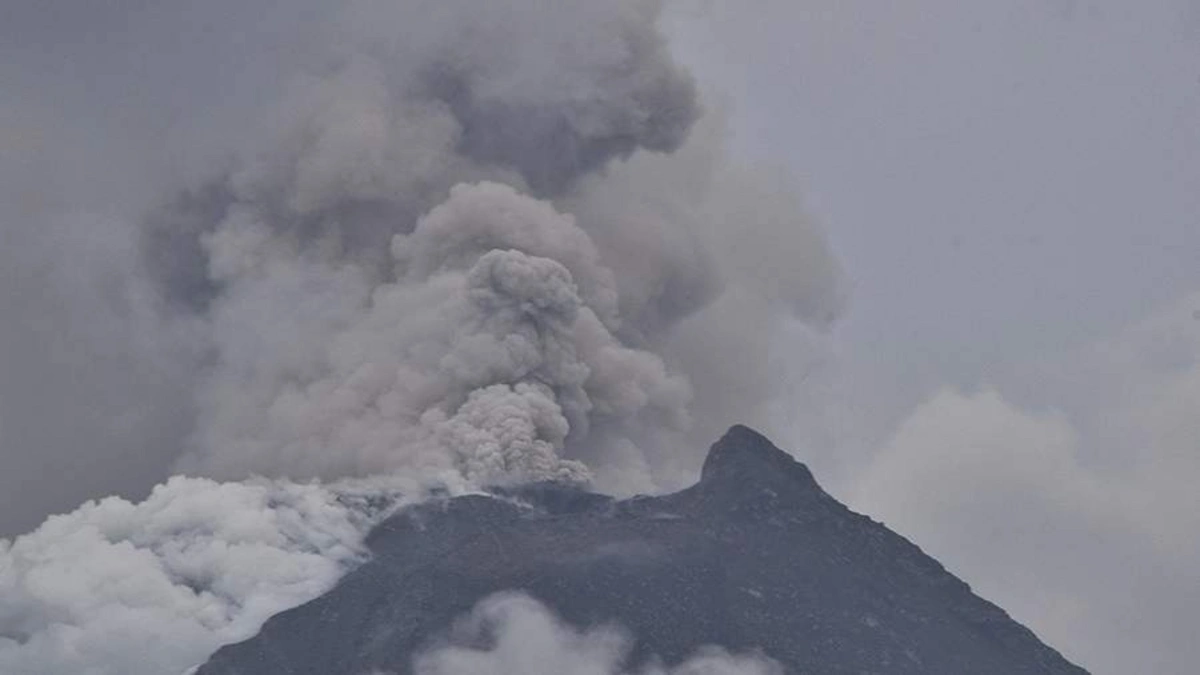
{"x": 999, "y": 211}
{"x": 1011, "y": 190}
{"x": 1003, "y": 181}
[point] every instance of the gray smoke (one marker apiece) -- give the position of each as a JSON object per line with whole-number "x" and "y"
{"x": 480, "y": 242}
{"x": 481, "y": 358}
{"x": 466, "y": 243}
{"x": 437, "y": 221}
{"x": 448, "y": 219}
{"x": 411, "y": 98}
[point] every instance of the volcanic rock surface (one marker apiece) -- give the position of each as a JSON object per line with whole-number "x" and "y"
{"x": 756, "y": 557}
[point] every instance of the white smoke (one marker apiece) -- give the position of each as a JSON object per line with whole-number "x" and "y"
{"x": 525, "y": 638}
{"x": 155, "y": 587}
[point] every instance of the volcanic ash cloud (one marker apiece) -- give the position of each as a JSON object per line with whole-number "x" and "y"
{"x": 487, "y": 243}
{"x": 469, "y": 243}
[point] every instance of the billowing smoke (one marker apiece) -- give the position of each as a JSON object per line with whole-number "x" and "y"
{"x": 155, "y": 587}
{"x": 469, "y": 243}
{"x": 412, "y": 98}
{"x": 463, "y": 246}
{"x": 525, "y": 638}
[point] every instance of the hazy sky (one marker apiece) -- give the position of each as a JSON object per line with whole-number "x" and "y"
{"x": 1003, "y": 180}
{"x": 1010, "y": 189}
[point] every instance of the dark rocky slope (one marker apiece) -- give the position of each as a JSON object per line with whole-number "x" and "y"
{"x": 756, "y": 556}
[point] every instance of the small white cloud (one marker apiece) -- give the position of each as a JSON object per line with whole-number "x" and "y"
{"x": 526, "y": 638}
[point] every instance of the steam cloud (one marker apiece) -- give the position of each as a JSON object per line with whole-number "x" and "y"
{"x": 527, "y": 639}
{"x": 155, "y": 587}
{"x": 472, "y": 243}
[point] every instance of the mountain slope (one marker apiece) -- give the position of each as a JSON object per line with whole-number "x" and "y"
{"x": 756, "y": 556}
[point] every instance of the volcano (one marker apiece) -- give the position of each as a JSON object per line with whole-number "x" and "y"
{"x": 754, "y": 558}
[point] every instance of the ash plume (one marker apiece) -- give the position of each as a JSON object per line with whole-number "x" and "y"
{"x": 412, "y": 98}
{"x": 466, "y": 244}
{"x": 463, "y": 245}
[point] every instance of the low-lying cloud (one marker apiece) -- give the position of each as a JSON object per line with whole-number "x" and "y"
{"x": 1074, "y": 518}
{"x": 155, "y": 587}
{"x": 525, "y": 638}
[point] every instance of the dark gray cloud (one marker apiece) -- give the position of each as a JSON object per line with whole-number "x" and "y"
{"x": 101, "y": 99}
{"x": 269, "y": 213}
{"x": 410, "y": 99}
{"x": 433, "y": 242}
{"x": 526, "y": 638}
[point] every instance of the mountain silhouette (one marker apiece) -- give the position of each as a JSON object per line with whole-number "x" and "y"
{"x": 755, "y": 557}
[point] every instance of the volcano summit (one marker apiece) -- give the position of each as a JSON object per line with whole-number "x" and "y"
{"x": 755, "y": 559}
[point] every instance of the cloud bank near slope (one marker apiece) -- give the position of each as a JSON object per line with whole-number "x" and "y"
{"x": 1075, "y": 518}
{"x": 155, "y": 587}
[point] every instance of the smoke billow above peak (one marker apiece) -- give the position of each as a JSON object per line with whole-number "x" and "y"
{"x": 410, "y": 99}
{"x": 465, "y": 244}
{"x": 481, "y": 357}
{"x": 453, "y": 248}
